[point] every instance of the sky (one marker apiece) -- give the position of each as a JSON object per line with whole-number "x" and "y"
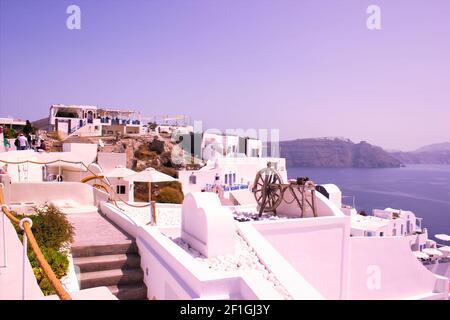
{"x": 307, "y": 68}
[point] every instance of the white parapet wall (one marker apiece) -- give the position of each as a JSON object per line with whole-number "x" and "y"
{"x": 172, "y": 273}
{"x": 11, "y": 270}
{"x": 206, "y": 225}
{"x": 385, "y": 268}
{"x": 317, "y": 248}
{"x": 312, "y": 258}
{"x": 45, "y": 192}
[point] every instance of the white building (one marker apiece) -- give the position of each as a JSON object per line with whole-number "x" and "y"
{"x": 94, "y": 121}
{"x": 232, "y": 174}
{"x": 215, "y": 145}
{"x": 12, "y": 123}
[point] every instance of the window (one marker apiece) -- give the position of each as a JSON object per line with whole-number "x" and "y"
{"x": 234, "y": 178}
{"x": 193, "y": 179}
{"x": 394, "y": 231}
{"x": 120, "y": 189}
{"x": 401, "y": 229}
{"x": 381, "y": 234}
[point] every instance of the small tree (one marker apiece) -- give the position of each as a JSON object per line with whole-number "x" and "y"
{"x": 152, "y": 125}
{"x": 28, "y": 128}
{"x": 169, "y": 195}
{"x": 9, "y": 133}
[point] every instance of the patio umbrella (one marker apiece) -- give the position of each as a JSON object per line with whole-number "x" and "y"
{"x": 150, "y": 175}
{"x": 120, "y": 172}
{"x": 442, "y": 236}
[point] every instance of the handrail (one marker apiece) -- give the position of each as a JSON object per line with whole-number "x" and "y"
{"x": 85, "y": 179}
{"x": 59, "y": 289}
{"x": 111, "y": 191}
{"x": 49, "y": 162}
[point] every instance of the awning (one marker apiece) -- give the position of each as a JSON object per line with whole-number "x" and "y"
{"x": 67, "y": 166}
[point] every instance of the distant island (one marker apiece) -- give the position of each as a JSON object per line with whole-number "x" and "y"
{"x": 438, "y": 153}
{"x": 335, "y": 153}
{"x": 343, "y": 153}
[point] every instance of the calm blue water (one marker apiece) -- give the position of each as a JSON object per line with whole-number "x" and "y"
{"x": 423, "y": 189}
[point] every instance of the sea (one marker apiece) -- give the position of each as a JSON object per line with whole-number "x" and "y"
{"x": 422, "y": 189}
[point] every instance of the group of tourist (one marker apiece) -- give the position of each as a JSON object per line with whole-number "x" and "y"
{"x": 23, "y": 142}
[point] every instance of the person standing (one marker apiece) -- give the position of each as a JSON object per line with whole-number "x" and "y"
{"x": 29, "y": 141}
{"x": 6, "y": 143}
{"x": 23, "y": 142}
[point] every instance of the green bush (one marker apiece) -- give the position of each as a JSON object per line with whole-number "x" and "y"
{"x": 59, "y": 263}
{"x": 173, "y": 184}
{"x": 28, "y": 128}
{"x": 51, "y": 228}
{"x": 9, "y": 133}
{"x": 169, "y": 195}
{"x": 52, "y": 231}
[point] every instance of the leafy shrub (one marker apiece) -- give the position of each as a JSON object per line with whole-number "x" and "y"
{"x": 59, "y": 263}
{"x": 169, "y": 195}
{"x": 173, "y": 184}
{"x": 141, "y": 191}
{"x": 29, "y": 128}
{"x": 152, "y": 125}
{"x": 51, "y": 227}
{"x": 52, "y": 231}
{"x": 9, "y": 133}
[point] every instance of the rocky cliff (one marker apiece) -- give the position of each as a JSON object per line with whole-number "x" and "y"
{"x": 335, "y": 153}
{"x": 438, "y": 153}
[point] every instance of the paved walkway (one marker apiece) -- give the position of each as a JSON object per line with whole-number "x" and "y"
{"x": 94, "y": 229}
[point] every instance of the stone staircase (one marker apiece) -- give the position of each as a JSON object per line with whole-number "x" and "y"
{"x": 116, "y": 266}
{"x": 106, "y": 256}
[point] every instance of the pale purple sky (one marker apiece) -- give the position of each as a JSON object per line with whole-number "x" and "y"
{"x": 308, "y": 68}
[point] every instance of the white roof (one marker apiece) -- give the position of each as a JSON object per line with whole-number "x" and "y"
{"x": 367, "y": 222}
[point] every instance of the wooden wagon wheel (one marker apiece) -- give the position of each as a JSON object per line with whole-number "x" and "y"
{"x": 268, "y": 190}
